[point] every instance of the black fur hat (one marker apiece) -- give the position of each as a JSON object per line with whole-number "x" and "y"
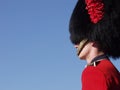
{"x": 98, "y": 21}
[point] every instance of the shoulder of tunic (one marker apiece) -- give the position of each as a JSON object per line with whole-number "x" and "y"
{"x": 98, "y": 77}
{"x": 93, "y": 78}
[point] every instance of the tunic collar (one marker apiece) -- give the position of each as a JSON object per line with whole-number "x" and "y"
{"x": 97, "y": 59}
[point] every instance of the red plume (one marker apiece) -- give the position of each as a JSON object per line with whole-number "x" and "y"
{"x": 95, "y": 10}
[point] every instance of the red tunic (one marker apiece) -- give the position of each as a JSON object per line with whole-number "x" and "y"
{"x": 104, "y": 76}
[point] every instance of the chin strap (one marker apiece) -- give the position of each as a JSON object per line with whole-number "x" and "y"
{"x": 81, "y": 45}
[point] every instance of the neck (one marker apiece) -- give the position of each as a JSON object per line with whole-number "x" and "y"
{"x": 92, "y": 55}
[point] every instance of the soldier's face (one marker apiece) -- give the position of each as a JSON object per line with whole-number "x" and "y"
{"x": 84, "y": 54}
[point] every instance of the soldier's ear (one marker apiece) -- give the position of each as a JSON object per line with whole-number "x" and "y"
{"x": 94, "y": 44}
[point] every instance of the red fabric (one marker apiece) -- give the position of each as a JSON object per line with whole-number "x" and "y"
{"x": 95, "y": 9}
{"x": 102, "y": 77}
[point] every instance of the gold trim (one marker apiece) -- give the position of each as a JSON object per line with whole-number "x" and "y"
{"x": 81, "y": 46}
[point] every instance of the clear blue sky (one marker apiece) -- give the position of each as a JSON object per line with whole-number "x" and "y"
{"x": 35, "y": 50}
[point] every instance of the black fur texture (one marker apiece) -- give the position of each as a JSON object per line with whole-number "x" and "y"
{"x": 106, "y": 32}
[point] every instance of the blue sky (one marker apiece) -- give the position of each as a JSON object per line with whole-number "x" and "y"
{"x": 35, "y": 50}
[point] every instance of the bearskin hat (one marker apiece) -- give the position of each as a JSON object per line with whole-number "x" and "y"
{"x": 98, "y": 21}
